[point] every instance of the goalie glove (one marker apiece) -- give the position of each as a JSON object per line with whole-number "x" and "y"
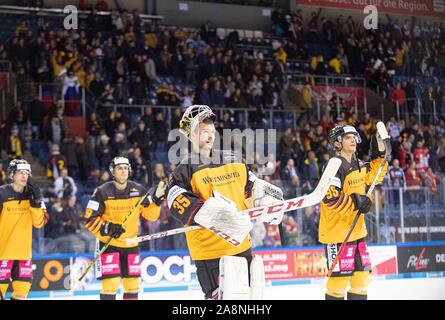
{"x": 220, "y": 215}
{"x": 264, "y": 194}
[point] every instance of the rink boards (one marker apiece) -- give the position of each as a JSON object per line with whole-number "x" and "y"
{"x": 164, "y": 271}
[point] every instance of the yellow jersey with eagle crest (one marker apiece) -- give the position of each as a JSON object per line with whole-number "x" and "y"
{"x": 337, "y": 210}
{"x": 193, "y": 182}
{"x": 17, "y": 218}
{"x": 110, "y": 204}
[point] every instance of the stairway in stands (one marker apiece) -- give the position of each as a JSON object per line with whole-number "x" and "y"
{"x": 38, "y": 171}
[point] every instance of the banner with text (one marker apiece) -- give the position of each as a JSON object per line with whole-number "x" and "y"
{"x": 430, "y": 8}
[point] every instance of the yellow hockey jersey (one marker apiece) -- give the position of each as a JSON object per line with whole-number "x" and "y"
{"x": 337, "y": 209}
{"x": 17, "y": 218}
{"x": 192, "y": 183}
{"x": 110, "y": 204}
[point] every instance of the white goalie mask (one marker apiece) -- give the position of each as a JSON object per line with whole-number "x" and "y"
{"x": 192, "y": 117}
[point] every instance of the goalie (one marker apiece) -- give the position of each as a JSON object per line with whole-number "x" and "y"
{"x": 210, "y": 188}
{"x": 345, "y": 199}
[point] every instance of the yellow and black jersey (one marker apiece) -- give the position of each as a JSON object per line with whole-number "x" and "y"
{"x": 17, "y": 218}
{"x": 110, "y": 204}
{"x": 337, "y": 210}
{"x": 193, "y": 182}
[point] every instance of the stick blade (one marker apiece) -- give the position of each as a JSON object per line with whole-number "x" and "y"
{"x": 131, "y": 241}
{"x": 381, "y": 129}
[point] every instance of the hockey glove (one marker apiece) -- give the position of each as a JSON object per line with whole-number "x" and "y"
{"x": 111, "y": 229}
{"x": 159, "y": 194}
{"x": 376, "y": 148}
{"x": 361, "y": 203}
{"x": 35, "y": 195}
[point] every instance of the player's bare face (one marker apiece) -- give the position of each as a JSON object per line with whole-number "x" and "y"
{"x": 21, "y": 178}
{"x": 349, "y": 143}
{"x": 206, "y": 134}
{"x": 121, "y": 173}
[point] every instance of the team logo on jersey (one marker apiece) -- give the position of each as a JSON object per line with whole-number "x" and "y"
{"x": 134, "y": 192}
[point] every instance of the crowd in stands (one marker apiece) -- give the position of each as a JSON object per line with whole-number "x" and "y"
{"x": 118, "y": 62}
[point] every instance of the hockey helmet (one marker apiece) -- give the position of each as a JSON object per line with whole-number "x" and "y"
{"x": 194, "y": 115}
{"x": 17, "y": 165}
{"x": 118, "y": 161}
{"x": 337, "y": 133}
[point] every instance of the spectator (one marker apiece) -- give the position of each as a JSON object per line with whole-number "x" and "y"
{"x": 65, "y": 187}
{"x": 289, "y": 171}
{"x": 139, "y": 167}
{"x": 398, "y": 96}
{"x": 396, "y": 175}
{"x": 413, "y": 183}
{"x": 311, "y": 172}
{"x": 3, "y": 175}
{"x": 286, "y": 142}
{"x": 310, "y": 227}
{"x": 36, "y": 113}
{"x": 421, "y": 156}
{"x": 306, "y": 104}
{"x": 56, "y": 164}
{"x": 141, "y": 137}
{"x": 15, "y": 144}
{"x": 427, "y": 105}
{"x": 93, "y": 181}
{"x": 104, "y": 152}
{"x": 217, "y": 98}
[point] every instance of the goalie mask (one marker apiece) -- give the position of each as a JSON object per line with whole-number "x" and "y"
{"x": 17, "y": 165}
{"x": 338, "y": 132}
{"x": 192, "y": 117}
{"x": 118, "y": 161}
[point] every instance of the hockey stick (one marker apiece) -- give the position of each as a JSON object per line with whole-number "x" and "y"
{"x": 135, "y": 207}
{"x": 283, "y": 206}
{"x": 381, "y": 129}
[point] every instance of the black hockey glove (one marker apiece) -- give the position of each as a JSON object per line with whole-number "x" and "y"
{"x": 374, "y": 151}
{"x": 111, "y": 229}
{"x": 35, "y": 195}
{"x": 361, "y": 203}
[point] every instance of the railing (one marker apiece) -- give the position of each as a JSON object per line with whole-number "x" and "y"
{"x": 417, "y": 111}
{"x": 51, "y": 93}
{"x": 54, "y": 11}
{"x": 331, "y": 80}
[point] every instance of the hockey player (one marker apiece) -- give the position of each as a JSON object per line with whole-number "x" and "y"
{"x": 213, "y": 185}
{"x": 21, "y": 209}
{"x": 105, "y": 213}
{"x": 345, "y": 199}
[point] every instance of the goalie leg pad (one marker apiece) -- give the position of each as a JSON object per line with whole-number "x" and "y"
{"x": 233, "y": 278}
{"x": 257, "y": 278}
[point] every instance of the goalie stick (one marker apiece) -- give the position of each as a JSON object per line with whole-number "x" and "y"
{"x": 381, "y": 129}
{"x": 282, "y": 206}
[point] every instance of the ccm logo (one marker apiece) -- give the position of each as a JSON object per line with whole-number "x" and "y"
{"x": 285, "y": 206}
{"x": 225, "y": 236}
